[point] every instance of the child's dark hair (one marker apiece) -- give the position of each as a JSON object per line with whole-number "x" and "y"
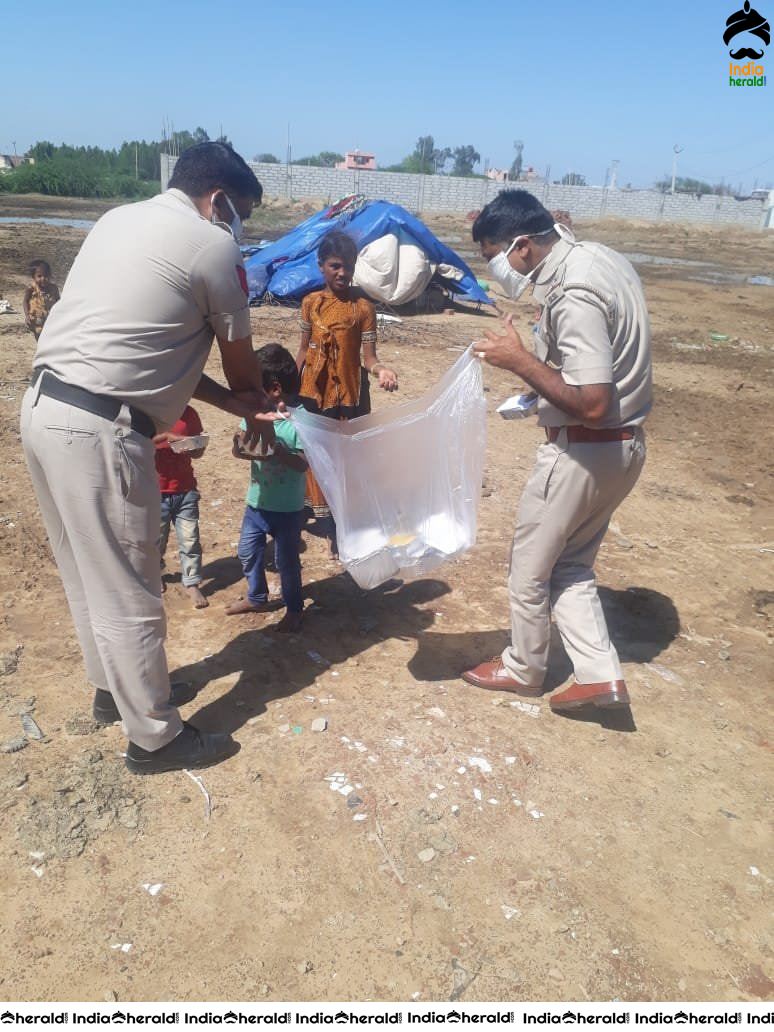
{"x": 337, "y": 245}
{"x": 279, "y": 366}
{"x": 39, "y": 263}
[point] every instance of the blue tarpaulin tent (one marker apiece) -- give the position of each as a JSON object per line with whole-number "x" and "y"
{"x": 287, "y": 269}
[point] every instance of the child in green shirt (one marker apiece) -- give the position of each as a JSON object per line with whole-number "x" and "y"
{"x": 275, "y": 501}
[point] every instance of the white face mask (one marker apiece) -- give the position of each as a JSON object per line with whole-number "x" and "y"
{"x": 235, "y": 226}
{"x": 515, "y": 283}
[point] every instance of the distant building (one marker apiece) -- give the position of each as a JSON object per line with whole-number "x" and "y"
{"x": 498, "y": 175}
{"x": 357, "y": 160}
{"x": 8, "y": 162}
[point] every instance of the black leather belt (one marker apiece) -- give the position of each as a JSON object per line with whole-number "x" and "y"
{"x": 98, "y": 404}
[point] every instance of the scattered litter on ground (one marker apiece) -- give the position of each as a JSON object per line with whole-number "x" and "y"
{"x": 664, "y": 673}
{"x": 354, "y": 801}
{"x": 360, "y": 817}
{"x": 31, "y": 728}
{"x": 319, "y": 724}
{"x": 10, "y": 661}
{"x": 37, "y": 870}
{"x": 203, "y": 790}
{"x": 493, "y": 802}
{"x": 754, "y": 872}
{"x": 153, "y": 888}
{"x": 123, "y": 946}
{"x": 536, "y": 814}
{"x": 530, "y": 708}
{"x": 481, "y": 762}
{"x": 426, "y": 855}
{"x": 477, "y": 794}
{"x": 13, "y": 745}
{"x": 509, "y": 912}
{"x": 338, "y": 783}
{"x": 297, "y": 729}
{"x": 510, "y": 760}
{"x": 283, "y": 728}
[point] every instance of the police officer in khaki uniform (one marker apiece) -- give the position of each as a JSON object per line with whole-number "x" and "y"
{"x": 153, "y": 284}
{"x": 592, "y": 372}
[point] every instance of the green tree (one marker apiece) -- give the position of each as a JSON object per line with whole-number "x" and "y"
{"x": 325, "y": 159}
{"x": 465, "y": 158}
{"x": 518, "y": 161}
{"x": 266, "y": 159}
{"x": 691, "y": 186}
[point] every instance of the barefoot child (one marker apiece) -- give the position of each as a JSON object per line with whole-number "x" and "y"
{"x": 275, "y": 501}
{"x": 338, "y": 333}
{"x": 39, "y": 297}
{"x": 180, "y": 501}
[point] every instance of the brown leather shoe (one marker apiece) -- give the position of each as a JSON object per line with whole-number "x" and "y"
{"x": 494, "y": 676}
{"x": 603, "y": 694}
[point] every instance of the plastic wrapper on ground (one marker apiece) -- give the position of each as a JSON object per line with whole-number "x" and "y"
{"x": 404, "y": 483}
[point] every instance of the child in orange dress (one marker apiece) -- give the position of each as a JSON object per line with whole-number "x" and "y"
{"x": 338, "y": 339}
{"x": 39, "y": 297}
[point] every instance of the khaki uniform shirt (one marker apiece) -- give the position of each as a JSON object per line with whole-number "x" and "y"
{"x": 150, "y": 286}
{"x": 594, "y": 328}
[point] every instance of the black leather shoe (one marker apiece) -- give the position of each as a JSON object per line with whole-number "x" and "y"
{"x": 106, "y": 712}
{"x": 191, "y": 748}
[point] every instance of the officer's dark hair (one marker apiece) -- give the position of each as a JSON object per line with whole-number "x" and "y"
{"x": 210, "y": 166}
{"x": 39, "y": 263}
{"x": 336, "y": 244}
{"x": 280, "y": 367}
{"x": 510, "y": 214}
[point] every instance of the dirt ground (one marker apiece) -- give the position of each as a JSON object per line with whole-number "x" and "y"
{"x": 622, "y": 858}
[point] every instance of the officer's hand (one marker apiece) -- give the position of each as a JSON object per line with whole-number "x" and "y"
{"x": 259, "y": 414}
{"x": 504, "y": 352}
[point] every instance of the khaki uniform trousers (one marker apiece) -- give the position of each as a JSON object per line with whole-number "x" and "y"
{"x": 564, "y": 513}
{"x": 98, "y": 493}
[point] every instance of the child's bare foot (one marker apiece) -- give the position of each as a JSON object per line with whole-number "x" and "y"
{"x": 290, "y": 623}
{"x": 244, "y": 605}
{"x": 199, "y": 601}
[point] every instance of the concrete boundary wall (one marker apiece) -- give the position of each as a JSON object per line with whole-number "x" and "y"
{"x": 456, "y": 194}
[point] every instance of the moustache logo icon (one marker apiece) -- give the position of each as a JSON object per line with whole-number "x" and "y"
{"x": 747, "y": 20}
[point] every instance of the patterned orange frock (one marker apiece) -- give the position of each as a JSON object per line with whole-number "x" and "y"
{"x": 331, "y": 380}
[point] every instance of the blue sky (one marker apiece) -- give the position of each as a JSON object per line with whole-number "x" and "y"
{"x": 580, "y": 84}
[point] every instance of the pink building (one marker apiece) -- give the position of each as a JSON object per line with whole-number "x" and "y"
{"x": 354, "y": 160}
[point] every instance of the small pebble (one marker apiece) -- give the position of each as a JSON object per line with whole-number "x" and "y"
{"x": 426, "y": 855}
{"x": 320, "y": 724}
{"x": 724, "y": 655}
{"x": 305, "y": 967}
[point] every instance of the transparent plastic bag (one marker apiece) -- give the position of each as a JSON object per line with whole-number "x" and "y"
{"x": 403, "y": 484}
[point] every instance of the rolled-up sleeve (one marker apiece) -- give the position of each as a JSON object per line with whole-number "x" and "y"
{"x": 219, "y": 284}
{"x": 581, "y": 331}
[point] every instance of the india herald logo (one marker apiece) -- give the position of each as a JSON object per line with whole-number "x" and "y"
{"x": 752, "y": 27}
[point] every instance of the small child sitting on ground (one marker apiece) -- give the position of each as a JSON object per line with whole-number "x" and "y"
{"x": 39, "y": 297}
{"x": 180, "y": 501}
{"x": 275, "y": 501}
